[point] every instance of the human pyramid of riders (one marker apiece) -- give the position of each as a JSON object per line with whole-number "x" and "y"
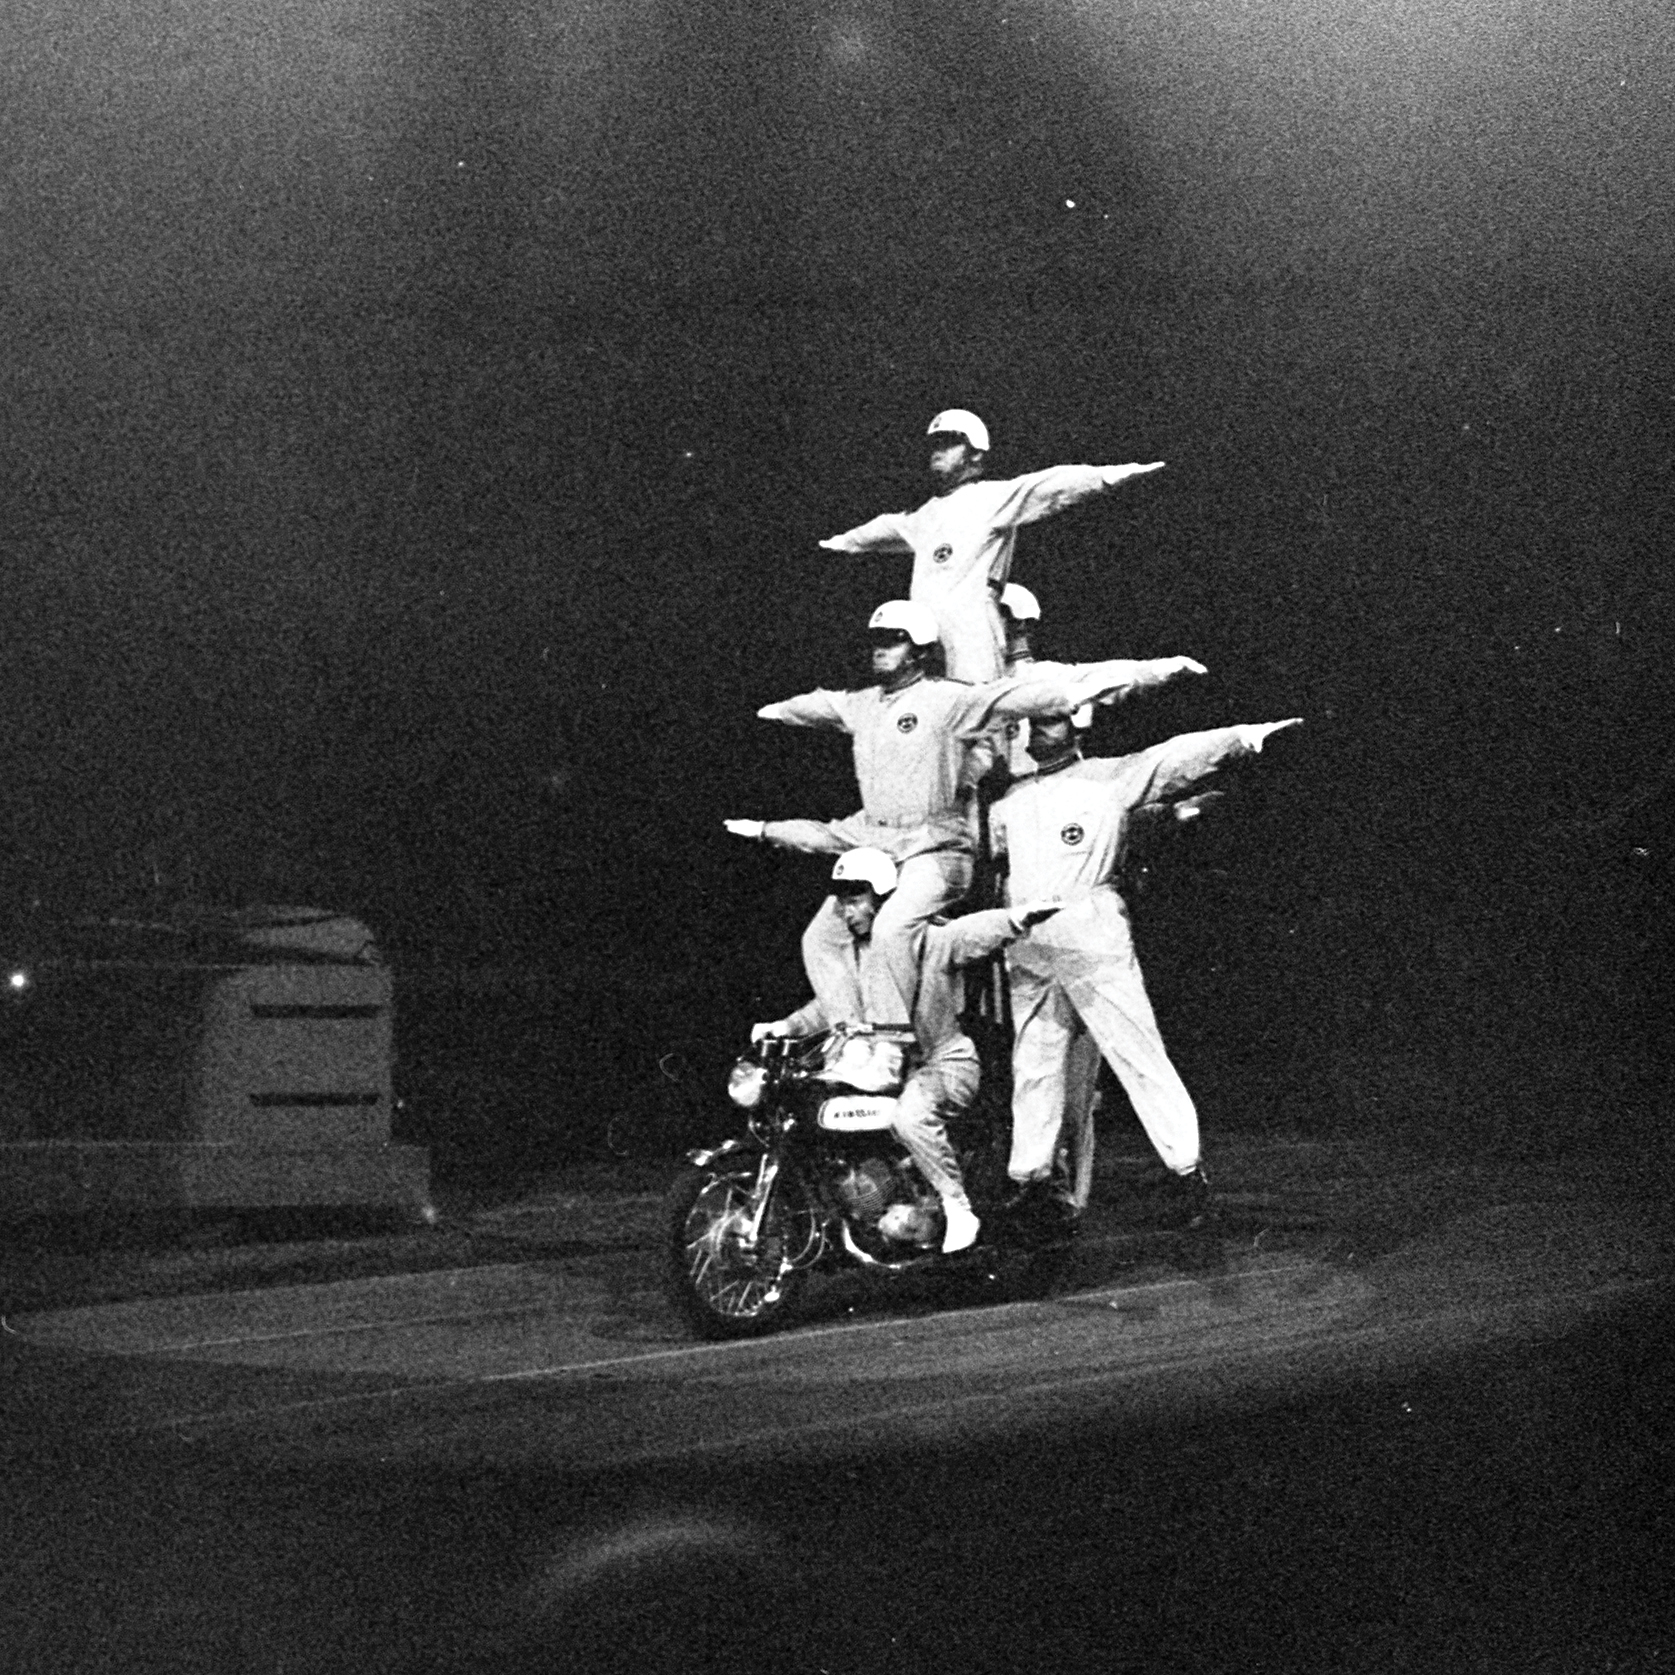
{"x": 962, "y": 722}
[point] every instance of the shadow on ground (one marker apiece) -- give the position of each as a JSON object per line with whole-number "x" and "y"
{"x": 1509, "y": 1512}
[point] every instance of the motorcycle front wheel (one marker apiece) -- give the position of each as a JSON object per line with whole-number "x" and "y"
{"x": 723, "y": 1282}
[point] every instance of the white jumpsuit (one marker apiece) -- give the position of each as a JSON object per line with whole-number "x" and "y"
{"x": 946, "y": 1079}
{"x": 917, "y": 805}
{"x": 1076, "y": 986}
{"x": 962, "y": 544}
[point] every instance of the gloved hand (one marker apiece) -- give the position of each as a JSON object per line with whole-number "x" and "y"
{"x": 764, "y": 1032}
{"x": 752, "y": 829}
{"x": 1191, "y": 808}
{"x": 1033, "y": 912}
{"x": 1256, "y": 731}
{"x": 1158, "y": 669}
{"x": 1115, "y": 474}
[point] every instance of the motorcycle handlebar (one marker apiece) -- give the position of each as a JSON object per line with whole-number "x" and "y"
{"x": 777, "y": 1049}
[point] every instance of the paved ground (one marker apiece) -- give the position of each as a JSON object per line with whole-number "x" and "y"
{"x": 1402, "y": 1409}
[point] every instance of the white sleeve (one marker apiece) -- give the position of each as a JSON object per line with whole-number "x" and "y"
{"x": 820, "y": 708}
{"x": 808, "y": 1019}
{"x": 1054, "y": 689}
{"x": 808, "y": 837}
{"x": 971, "y": 936}
{"x": 1179, "y": 764}
{"x": 882, "y": 534}
{"x": 1042, "y": 493}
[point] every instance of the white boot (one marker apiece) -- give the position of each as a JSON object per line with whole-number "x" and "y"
{"x": 962, "y": 1225}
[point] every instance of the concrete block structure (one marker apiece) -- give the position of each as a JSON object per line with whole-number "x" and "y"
{"x": 213, "y": 1059}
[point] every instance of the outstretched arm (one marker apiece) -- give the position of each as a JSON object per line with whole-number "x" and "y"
{"x": 1257, "y": 733}
{"x": 808, "y": 1019}
{"x": 974, "y": 935}
{"x": 809, "y": 837}
{"x": 1109, "y": 683}
{"x": 1042, "y": 493}
{"x": 1180, "y": 764}
{"x": 882, "y": 534}
{"x": 819, "y": 708}
{"x": 1059, "y": 688}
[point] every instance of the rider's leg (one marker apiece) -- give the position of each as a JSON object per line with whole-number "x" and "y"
{"x": 936, "y": 1091}
{"x": 829, "y": 962}
{"x": 1055, "y": 1078}
{"x": 1081, "y": 1086}
{"x": 926, "y": 885}
{"x": 1044, "y": 1025}
{"x": 1113, "y": 1003}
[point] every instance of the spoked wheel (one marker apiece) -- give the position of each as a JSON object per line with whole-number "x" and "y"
{"x": 727, "y": 1284}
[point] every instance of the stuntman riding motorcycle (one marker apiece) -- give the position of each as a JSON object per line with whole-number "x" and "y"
{"x": 946, "y": 1077}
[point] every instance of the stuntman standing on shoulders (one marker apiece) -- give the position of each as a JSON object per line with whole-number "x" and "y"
{"x": 961, "y": 540}
{"x": 946, "y": 1078}
{"x": 914, "y": 734}
{"x": 1020, "y": 615}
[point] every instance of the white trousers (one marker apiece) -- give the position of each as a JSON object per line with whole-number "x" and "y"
{"x": 939, "y": 1089}
{"x": 926, "y": 886}
{"x": 1062, "y": 1025}
{"x": 972, "y": 634}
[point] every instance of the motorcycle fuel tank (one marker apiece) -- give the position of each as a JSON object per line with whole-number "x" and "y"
{"x": 856, "y": 1113}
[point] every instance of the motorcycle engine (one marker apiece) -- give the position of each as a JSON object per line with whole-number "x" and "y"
{"x": 867, "y": 1189}
{"x": 911, "y": 1224}
{"x": 882, "y": 1199}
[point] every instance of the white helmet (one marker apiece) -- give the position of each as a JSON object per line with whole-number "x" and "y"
{"x": 956, "y": 421}
{"x": 1019, "y": 603}
{"x": 866, "y": 866}
{"x": 903, "y": 616}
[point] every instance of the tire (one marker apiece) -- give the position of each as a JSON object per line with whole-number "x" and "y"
{"x": 722, "y": 1288}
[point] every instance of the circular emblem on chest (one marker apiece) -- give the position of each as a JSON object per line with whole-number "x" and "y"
{"x": 906, "y": 723}
{"x": 1072, "y": 835}
{"x": 942, "y": 554}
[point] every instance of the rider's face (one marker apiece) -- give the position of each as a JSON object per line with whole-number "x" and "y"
{"x": 890, "y": 655}
{"x": 1050, "y": 736}
{"x": 859, "y": 909}
{"x": 953, "y": 461}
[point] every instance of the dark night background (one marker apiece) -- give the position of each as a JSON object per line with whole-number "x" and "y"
{"x": 419, "y": 420}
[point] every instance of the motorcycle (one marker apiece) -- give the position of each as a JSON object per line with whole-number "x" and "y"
{"x": 820, "y": 1182}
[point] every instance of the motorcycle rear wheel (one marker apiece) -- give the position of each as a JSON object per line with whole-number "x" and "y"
{"x": 724, "y": 1285}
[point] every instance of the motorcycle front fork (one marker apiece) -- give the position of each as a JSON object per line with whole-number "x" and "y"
{"x": 805, "y": 1231}
{"x": 767, "y": 1174}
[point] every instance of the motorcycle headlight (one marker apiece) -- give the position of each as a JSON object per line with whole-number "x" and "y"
{"x": 745, "y": 1082}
